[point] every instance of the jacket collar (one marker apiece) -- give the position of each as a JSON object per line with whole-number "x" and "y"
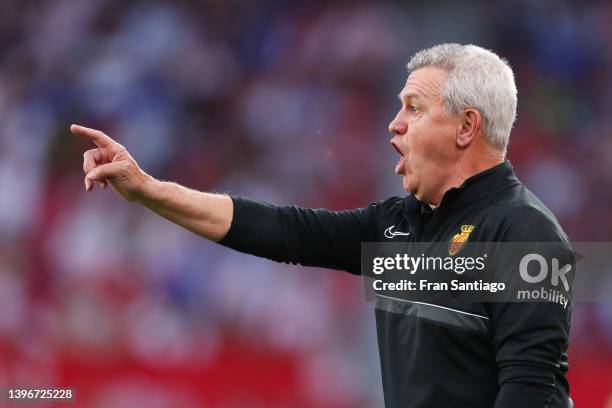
{"x": 474, "y": 188}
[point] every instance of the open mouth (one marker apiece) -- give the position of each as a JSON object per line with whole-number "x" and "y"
{"x": 399, "y": 167}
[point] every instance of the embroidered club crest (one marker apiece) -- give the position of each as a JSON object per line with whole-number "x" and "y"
{"x": 458, "y": 241}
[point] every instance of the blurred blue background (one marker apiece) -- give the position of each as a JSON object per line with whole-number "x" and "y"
{"x": 284, "y": 101}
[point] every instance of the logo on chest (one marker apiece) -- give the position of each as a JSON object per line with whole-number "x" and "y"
{"x": 458, "y": 241}
{"x": 391, "y": 233}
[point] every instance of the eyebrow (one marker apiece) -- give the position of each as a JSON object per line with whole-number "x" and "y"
{"x": 408, "y": 96}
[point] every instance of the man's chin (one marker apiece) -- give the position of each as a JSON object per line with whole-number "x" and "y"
{"x": 408, "y": 187}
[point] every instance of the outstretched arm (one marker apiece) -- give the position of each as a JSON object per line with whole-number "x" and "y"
{"x": 311, "y": 237}
{"x": 208, "y": 215}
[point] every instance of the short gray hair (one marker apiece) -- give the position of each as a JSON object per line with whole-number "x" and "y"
{"x": 479, "y": 79}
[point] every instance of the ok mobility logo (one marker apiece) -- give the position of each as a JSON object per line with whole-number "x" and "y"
{"x": 545, "y": 292}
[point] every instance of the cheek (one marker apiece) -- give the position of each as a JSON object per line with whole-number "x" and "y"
{"x": 433, "y": 144}
{"x": 419, "y": 145}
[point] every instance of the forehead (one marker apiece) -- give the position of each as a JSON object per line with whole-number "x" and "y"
{"x": 424, "y": 83}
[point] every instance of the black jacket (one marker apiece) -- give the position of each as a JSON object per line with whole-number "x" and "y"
{"x": 472, "y": 355}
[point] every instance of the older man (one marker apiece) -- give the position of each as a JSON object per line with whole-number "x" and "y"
{"x": 451, "y": 132}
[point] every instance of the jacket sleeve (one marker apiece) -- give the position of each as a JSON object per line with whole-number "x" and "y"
{"x": 531, "y": 339}
{"x": 310, "y": 237}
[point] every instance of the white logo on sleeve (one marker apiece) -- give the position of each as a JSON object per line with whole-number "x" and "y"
{"x": 389, "y": 233}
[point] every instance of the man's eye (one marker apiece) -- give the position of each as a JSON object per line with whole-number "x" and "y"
{"x": 413, "y": 108}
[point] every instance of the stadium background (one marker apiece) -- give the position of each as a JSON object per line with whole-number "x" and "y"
{"x": 287, "y": 102}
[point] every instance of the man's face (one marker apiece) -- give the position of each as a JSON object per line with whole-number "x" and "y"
{"x": 424, "y": 134}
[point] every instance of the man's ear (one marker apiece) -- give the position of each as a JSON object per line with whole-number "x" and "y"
{"x": 470, "y": 121}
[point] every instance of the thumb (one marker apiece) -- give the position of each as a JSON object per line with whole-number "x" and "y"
{"x": 100, "y": 173}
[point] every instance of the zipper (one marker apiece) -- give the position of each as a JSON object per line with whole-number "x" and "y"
{"x": 425, "y": 228}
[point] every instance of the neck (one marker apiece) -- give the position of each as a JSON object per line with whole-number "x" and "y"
{"x": 458, "y": 173}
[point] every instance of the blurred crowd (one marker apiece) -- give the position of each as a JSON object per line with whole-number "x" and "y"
{"x": 286, "y": 102}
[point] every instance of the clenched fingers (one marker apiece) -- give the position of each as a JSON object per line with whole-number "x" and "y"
{"x": 101, "y": 173}
{"x": 91, "y": 158}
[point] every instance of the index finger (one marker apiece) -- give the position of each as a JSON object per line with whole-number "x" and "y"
{"x": 96, "y": 136}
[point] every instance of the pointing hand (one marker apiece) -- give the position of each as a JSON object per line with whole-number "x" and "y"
{"x": 110, "y": 162}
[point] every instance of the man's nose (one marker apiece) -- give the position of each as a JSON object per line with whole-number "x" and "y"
{"x": 397, "y": 126}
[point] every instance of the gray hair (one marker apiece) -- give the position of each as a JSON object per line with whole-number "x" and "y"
{"x": 479, "y": 79}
